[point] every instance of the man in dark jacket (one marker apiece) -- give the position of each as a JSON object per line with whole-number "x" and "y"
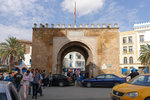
{"x": 17, "y": 80}
{"x": 136, "y": 73}
{"x": 132, "y": 75}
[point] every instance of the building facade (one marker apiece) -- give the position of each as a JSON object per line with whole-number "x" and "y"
{"x": 74, "y": 60}
{"x": 96, "y": 43}
{"x": 25, "y": 63}
{"x": 130, "y": 47}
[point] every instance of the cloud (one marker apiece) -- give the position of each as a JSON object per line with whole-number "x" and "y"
{"x": 83, "y": 7}
{"x": 18, "y": 17}
{"x": 115, "y": 13}
{"x": 20, "y": 33}
{"x": 16, "y": 7}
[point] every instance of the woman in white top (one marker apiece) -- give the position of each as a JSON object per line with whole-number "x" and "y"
{"x": 26, "y": 82}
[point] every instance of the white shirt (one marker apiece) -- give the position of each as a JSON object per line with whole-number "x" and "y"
{"x": 31, "y": 78}
{"x": 26, "y": 79}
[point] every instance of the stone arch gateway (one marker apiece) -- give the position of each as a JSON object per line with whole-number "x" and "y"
{"x": 99, "y": 46}
{"x": 78, "y": 47}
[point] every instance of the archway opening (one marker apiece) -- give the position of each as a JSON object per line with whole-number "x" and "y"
{"x": 73, "y": 62}
{"x": 79, "y": 48}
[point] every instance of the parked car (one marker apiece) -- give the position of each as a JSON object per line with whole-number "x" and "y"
{"x": 103, "y": 80}
{"x": 137, "y": 88}
{"x": 8, "y": 91}
{"x": 61, "y": 80}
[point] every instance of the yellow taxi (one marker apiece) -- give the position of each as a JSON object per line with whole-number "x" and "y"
{"x": 136, "y": 89}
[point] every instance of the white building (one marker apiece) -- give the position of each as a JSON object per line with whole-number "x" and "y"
{"x": 143, "y": 34}
{"x": 130, "y": 46}
{"x": 74, "y": 60}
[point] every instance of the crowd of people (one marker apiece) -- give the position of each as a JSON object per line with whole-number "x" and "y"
{"x": 32, "y": 81}
{"x": 77, "y": 76}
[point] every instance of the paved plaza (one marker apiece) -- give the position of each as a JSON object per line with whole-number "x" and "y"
{"x": 74, "y": 93}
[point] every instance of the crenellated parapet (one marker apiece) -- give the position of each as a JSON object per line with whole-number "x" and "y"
{"x": 75, "y": 26}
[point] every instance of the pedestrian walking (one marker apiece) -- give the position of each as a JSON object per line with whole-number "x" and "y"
{"x": 26, "y": 83}
{"x": 2, "y": 77}
{"x": 36, "y": 81}
{"x": 44, "y": 81}
{"x": 50, "y": 77}
{"x": 31, "y": 81}
{"x": 17, "y": 80}
{"x": 9, "y": 78}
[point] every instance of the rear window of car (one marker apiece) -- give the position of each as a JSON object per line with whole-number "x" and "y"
{"x": 59, "y": 76}
{"x": 110, "y": 76}
{"x": 3, "y": 96}
{"x": 62, "y": 76}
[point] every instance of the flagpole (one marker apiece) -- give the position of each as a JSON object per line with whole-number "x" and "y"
{"x": 75, "y": 14}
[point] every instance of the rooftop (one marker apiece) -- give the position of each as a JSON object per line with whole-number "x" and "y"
{"x": 142, "y": 24}
{"x": 25, "y": 41}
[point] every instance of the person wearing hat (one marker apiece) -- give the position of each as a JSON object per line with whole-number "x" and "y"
{"x": 26, "y": 82}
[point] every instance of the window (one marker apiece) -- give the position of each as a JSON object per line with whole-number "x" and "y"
{"x": 3, "y": 96}
{"x": 125, "y": 60}
{"x": 30, "y": 62}
{"x": 20, "y": 61}
{"x": 100, "y": 76}
{"x": 125, "y": 49}
{"x": 141, "y": 38}
{"x": 130, "y": 48}
{"x": 139, "y": 80}
{"x": 70, "y": 56}
{"x": 78, "y": 56}
{"x": 131, "y": 60}
{"x": 124, "y": 40}
{"x": 130, "y": 39}
{"x": 78, "y": 63}
{"x": 110, "y": 76}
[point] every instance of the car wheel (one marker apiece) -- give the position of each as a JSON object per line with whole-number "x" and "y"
{"x": 88, "y": 85}
{"x": 116, "y": 84}
{"x": 147, "y": 99}
{"x": 61, "y": 84}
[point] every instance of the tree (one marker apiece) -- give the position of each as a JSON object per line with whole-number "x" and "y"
{"x": 11, "y": 49}
{"x": 145, "y": 55}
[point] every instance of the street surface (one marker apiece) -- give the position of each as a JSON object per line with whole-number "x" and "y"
{"x": 74, "y": 93}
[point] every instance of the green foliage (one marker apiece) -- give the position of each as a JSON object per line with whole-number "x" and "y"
{"x": 10, "y": 49}
{"x": 145, "y": 55}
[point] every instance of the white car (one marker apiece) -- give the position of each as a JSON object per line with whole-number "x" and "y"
{"x": 8, "y": 91}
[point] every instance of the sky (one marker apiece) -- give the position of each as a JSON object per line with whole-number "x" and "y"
{"x": 17, "y": 17}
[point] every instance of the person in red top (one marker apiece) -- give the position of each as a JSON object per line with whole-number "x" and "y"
{"x": 12, "y": 74}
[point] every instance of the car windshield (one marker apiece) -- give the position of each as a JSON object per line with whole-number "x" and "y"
{"x": 143, "y": 80}
{"x": 3, "y": 96}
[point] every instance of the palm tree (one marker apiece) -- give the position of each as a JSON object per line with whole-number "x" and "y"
{"x": 11, "y": 49}
{"x": 145, "y": 55}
